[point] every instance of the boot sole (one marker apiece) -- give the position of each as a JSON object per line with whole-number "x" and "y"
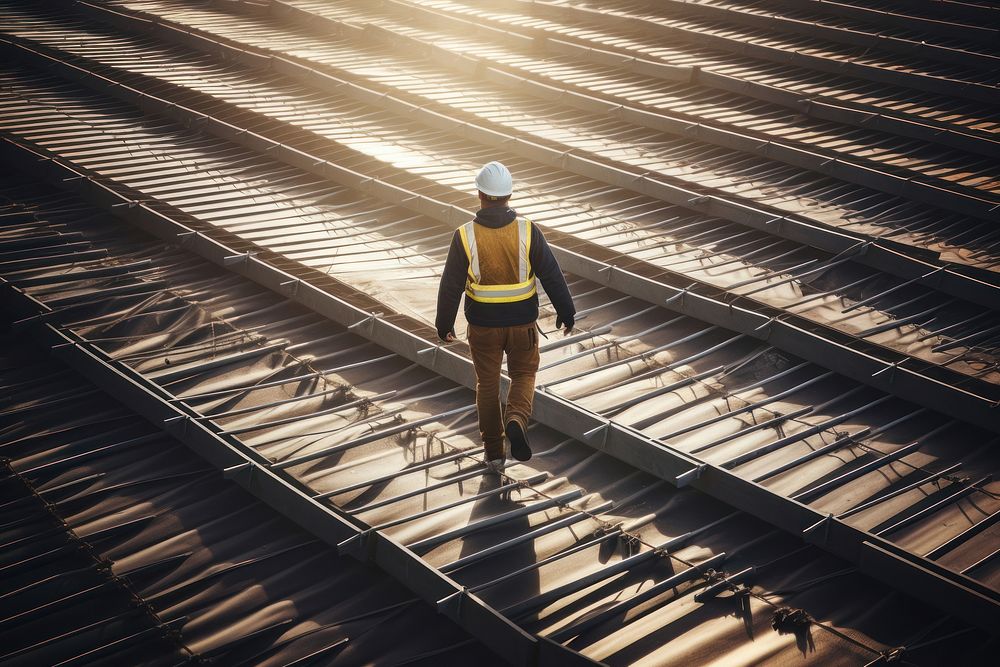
{"x": 518, "y": 441}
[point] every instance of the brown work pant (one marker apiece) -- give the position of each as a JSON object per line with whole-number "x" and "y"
{"x": 488, "y": 345}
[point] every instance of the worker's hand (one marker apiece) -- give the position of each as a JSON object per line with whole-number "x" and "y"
{"x": 569, "y": 324}
{"x": 448, "y": 337}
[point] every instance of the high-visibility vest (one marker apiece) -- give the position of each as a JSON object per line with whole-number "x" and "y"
{"x": 519, "y": 291}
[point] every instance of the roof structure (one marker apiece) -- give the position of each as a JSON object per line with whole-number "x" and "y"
{"x": 122, "y": 546}
{"x": 772, "y": 440}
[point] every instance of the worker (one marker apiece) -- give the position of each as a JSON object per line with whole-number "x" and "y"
{"x": 494, "y": 260}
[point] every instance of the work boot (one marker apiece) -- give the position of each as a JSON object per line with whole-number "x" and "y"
{"x": 518, "y": 440}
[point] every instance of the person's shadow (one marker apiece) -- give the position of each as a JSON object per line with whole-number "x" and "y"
{"x": 508, "y": 560}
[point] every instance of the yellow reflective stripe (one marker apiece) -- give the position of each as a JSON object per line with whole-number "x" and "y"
{"x": 522, "y": 249}
{"x": 470, "y": 249}
{"x": 506, "y": 298}
{"x": 513, "y": 287}
{"x": 501, "y": 293}
{"x": 527, "y": 247}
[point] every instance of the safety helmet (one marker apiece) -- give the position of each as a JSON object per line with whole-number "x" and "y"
{"x": 495, "y": 180}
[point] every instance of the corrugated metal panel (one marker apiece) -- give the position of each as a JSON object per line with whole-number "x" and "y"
{"x": 162, "y": 319}
{"x": 128, "y": 549}
{"x": 803, "y": 233}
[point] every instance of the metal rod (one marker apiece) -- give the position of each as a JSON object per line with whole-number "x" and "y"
{"x": 594, "y": 620}
{"x": 900, "y": 491}
{"x": 278, "y": 383}
{"x": 51, "y": 261}
{"x": 826, "y": 487}
{"x": 940, "y": 332}
{"x": 461, "y": 476}
{"x": 686, "y": 360}
{"x": 643, "y": 355}
{"x": 963, "y": 537}
{"x": 430, "y": 463}
{"x": 842, "y": 289}
{"x": 525, "y": 606}
{"x": 965, "y": 339}
{"x": 171, "y": 374}
{"x": 952, "y": 497}
{"x": 614, "y": 533}
{"x": 659, "y": 391}
{"x": 372, "y": 437}
{"x": 865, "y": 302}
{"x": 273, "y": 404}
{"x": 749, "y": 406}
{"x": 776, "y": 422}
{"x": 771, "y": 274}
{"x": 795, "y": 437}
{"x": 895, "y": 324}
{"x": 569, "y": 340}
{"x": 98, "y": 451}
{"x": 150, "y": 286}
{"x": 89, "y": 274}
{"x": 431, "y": 542}
{"x": 716, "y": 588}
{"x": 526, "y": 537}
{"x": 502, "y": 489}
{"x": 319, "y": 413}
{"x": 839, "y": 443}
{"x": 982, "y": 561}
{"x": 797, "y": 277}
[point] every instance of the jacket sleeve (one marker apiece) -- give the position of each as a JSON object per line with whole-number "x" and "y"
{"x": 452, "y": 286}
{"x": 547, "y": 270}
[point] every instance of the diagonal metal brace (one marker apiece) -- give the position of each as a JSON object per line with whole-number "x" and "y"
{"x": 813, "y": 533}
{"x": 451, "y": 606}
{"x": 680, "y": 295}
{"x": 360, "y": 546}
{"x": 370, "y": 321}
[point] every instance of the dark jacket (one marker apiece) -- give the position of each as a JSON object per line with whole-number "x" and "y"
{"x": 456, "y": 270}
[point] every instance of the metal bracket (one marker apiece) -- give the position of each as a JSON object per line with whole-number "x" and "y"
{"x": 680, "y": 295}
{"x": 604, "y": 429}
{"x": 184, "y": 237}
{"x": 370, "y": 320}
{"x": 179, "y": 419}
{"x": 21, "y": 324}
{"x": 610, "y": 268}
{"x": 891, "y": 367}
{"x": 768, "y": 323}
{"x": 131, "y": 203}
{"x": 236, "y": 259}
{"x": 861, "y": 248}
{"x": 360, "y": 546}
{"x": 689, "y": 476}
{"x": 233, "y": 471}
{"x": 433, "y": 351}
{"x": 779, "y": 220}
{"x": 823, "y": 523}
{"x": 451, "y": 606}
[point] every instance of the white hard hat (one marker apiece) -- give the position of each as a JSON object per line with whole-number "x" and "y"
{"x": 495, "y": 180}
